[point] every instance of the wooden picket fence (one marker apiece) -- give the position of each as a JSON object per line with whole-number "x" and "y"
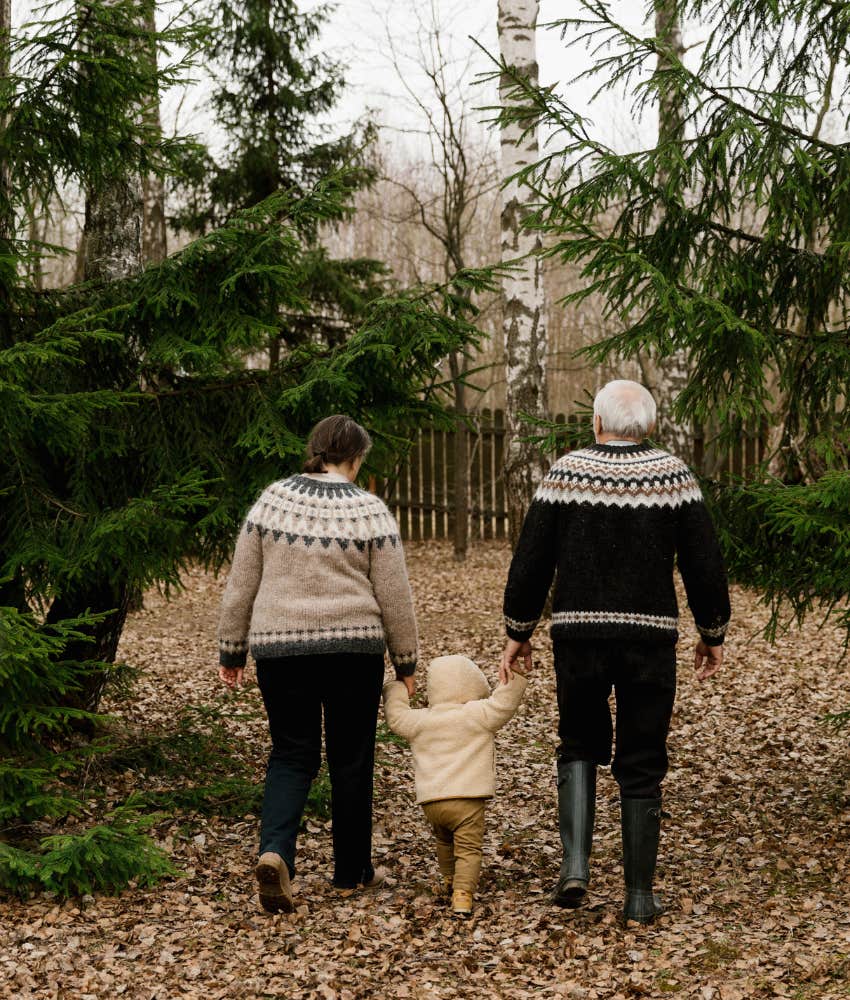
{"x": 421, "y": 494}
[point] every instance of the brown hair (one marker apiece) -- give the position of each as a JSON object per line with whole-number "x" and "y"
{"x": 335, "y": 439}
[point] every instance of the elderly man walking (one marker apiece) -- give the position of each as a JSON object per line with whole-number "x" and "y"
{"x": 612, "y": 519}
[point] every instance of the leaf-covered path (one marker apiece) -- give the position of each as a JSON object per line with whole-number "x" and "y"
{"x": 754, "y": 861}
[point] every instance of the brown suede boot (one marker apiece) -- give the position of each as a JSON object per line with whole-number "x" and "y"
{"x": 375, "y": 882}
{"x": 273, "y": 879}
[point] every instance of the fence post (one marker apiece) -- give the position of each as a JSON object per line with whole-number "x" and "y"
{"x": 501, "y": 514}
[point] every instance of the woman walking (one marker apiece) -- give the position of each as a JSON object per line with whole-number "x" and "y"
{"x": 317, "y": 590}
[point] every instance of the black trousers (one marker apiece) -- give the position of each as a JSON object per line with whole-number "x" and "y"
{"x": 643, "y": 676}
{"x": 297, "y": 690}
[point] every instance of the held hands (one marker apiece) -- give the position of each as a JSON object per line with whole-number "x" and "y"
{"x": 233, "y": 677}
{"x": 707, "y": 660}
{"x": 514, "y": 651}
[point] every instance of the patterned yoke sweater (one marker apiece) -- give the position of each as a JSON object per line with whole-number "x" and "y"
{"x": 613, "y": 520}
{"x": 318, "y": 568}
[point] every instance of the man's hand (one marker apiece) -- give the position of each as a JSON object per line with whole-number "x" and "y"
{"x": 514, "y": 651}
{"x": 707, "y": 660}
{"x": 233, "y": 677}
{"x": 409, "y": 682}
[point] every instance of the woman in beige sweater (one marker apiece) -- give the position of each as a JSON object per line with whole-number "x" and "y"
{"x": 317, "y": 591}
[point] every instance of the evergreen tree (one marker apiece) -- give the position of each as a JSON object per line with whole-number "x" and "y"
{"x": 133, "y": 433}
{"x": 272, "y": 91}
{"x": 728, "y": 241}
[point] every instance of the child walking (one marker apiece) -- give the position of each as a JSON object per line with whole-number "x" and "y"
{"x": 454, "y": 760}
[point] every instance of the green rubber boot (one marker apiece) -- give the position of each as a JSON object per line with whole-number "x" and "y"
{"x": 641, "y": 820}
{"x": 576, "y": 813}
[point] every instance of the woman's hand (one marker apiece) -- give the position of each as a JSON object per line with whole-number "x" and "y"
{"x": 409, "y": 682}
{"x": 232, "y": 676}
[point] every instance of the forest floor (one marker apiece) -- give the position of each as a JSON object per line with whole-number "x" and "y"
{"x": 754, "y": 865}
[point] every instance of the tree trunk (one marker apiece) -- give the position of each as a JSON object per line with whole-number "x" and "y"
{"x": 113, "y": 251}
{"x": 105, "y": 635}
{"x": 113, "y": 230}
{"x": 523, "y": 316}
{"x": 112, "y": 238}
{"x": 37, "y": 232}
{"x": 673, "y": 372}
{"x": 7, "y": 214}
{"x": 112, "y": 241}
{"x": 154, "y": 233}
{"x": 7, "y": 221}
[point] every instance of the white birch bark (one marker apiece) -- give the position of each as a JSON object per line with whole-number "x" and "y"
{"x": 523, "y": 302}
{"x": 113, "y": 230}
{"x": 672, "y": 372}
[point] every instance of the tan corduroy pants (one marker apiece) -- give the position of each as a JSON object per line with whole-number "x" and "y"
{"x": 458, "y": 826}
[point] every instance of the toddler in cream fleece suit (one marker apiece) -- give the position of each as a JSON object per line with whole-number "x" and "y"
{"x": 453, "y": 743}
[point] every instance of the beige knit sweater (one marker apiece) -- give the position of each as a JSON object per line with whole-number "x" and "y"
{"x": 453, "y": 740}
{"x": 318, "y": 568}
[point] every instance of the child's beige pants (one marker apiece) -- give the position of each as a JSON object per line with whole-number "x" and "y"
{"x": 458, "y": 825}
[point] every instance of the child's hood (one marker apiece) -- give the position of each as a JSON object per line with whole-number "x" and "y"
{"x": 455, "y": 680}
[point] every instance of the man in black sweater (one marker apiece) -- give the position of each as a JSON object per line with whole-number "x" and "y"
{"x": 612, "y": 519}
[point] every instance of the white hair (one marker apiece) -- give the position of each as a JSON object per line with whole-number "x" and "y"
{"x": 625, "y": 409}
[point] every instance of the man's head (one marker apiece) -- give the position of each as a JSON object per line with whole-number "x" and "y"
{"x": 623, "y": 410}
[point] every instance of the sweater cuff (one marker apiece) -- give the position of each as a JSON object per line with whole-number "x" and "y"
{"x": 404, "y": 663}
{"x": 711, "y": 640}
{"x": 713, "y": 636}
{"x": 232, "y": 654}
{"x": 520, "y": 631}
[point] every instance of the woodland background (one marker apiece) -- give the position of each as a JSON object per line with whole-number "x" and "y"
{"x": 207, "y": 244}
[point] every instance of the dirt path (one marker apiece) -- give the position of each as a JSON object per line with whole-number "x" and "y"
{"x": 754, "y": 861}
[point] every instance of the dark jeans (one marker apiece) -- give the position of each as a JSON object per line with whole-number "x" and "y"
{"x": 643, "y": 675}
{"x": 296, "y": 689}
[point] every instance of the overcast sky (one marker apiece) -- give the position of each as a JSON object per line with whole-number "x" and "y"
{"x": 358, "y": 30}
{"x": 357, "y": 36}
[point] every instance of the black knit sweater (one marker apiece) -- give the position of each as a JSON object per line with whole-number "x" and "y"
{"x": 613, "y": 520}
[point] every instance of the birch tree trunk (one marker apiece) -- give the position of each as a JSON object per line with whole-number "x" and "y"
{"x": 672, "y": 372}
{"x": 523, "y": 316}
{"x": 113, "y": 230}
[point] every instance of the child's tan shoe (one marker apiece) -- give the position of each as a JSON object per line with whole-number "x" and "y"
{"x": 273, "y": 879}
{"x": 461, "y": 903}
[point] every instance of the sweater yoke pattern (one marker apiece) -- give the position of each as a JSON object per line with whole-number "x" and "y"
{"x": 318, "y": 568}
{"x": 652, "y": 478}
{"x": 299, "y": 510}
{"x": 613, "y": 521}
